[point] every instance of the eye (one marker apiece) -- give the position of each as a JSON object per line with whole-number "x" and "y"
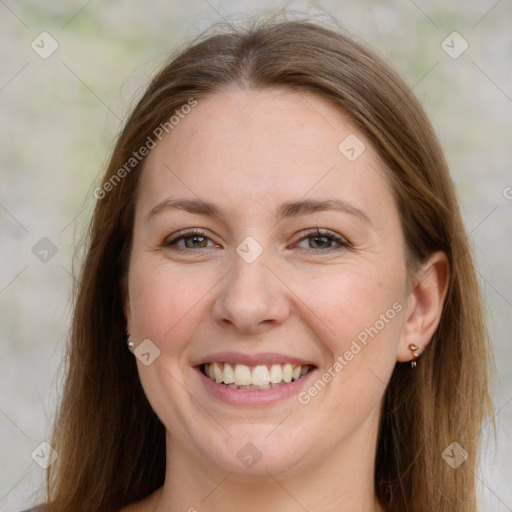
{"x": 189, "y": 240}
{"x": 323, "y": 241}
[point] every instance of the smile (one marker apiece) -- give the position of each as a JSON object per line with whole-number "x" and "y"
{"x": 257, "y": 377}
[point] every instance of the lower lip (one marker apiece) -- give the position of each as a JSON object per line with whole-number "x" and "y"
{"x": 254, "y": 396}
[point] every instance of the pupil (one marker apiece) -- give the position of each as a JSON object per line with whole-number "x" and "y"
{"x": 321, "y": 241}
{"x": 195, "y": 241}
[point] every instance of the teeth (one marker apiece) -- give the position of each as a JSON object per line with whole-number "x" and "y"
{"x": 229, "y": 374}
{"x": 255, "y": 377}
{"x": 260, "y": 376}
{"x": 276, "y": 374}
{"x": 217, "y": 372}
{"x": 242, "y": 375}
{"x": 287, "y": 372}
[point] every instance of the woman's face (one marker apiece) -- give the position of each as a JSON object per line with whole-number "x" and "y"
{"x": 267, "y": 247}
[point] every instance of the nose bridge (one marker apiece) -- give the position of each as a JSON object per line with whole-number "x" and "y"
{"x": 251, "y": 278}
{"x": 251, "y": 297}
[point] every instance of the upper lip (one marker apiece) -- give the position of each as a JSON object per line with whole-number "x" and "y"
{"x": 266, "y": 358}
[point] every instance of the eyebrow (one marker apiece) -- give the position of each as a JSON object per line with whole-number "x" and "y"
{"x": 290, "y": 209}
{"x": 311, "y": 205}
{"x": 197, "y": 206}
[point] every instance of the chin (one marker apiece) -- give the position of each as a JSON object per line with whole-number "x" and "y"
{"x": 254, "y": 451}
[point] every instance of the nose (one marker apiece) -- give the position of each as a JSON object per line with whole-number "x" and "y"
{"x": 251, "y": 298}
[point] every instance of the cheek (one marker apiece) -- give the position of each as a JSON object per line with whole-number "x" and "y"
{"x": 351, "y": 299}
{"x": 163, "y": 301}
{"x": 357, "y": 311}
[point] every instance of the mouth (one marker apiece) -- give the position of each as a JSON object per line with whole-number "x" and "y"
{"x": 254, "y": 377}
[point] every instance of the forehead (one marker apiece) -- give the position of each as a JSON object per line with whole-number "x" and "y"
{"x": 262, "y": 147}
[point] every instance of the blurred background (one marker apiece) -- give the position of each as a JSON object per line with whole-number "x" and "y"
{"x": 70, "y": 71}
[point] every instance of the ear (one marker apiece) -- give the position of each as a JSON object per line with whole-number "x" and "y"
{"x": 424, "y": 305}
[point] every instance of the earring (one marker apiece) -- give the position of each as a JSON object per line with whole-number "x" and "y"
{"x": 129, "y": 342}
{"x": 414, "y": 349}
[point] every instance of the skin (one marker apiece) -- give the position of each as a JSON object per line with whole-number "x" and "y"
{"x": 248, "y": 152}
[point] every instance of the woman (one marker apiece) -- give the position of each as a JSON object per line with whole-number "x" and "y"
{"x": 278, "y": 307}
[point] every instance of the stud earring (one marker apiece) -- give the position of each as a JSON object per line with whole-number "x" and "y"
{"x": 129, "y": 342}
{"x": 414, "y": 349}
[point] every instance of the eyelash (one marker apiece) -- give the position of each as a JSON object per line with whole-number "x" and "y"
{"x": 325, "y": 233}
{"x": 343, "y": 244}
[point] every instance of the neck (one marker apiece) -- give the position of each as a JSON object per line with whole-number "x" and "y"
{"x": 341, "y": 480}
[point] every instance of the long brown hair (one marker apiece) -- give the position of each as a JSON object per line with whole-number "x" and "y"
{"x": 111, "y": 445}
